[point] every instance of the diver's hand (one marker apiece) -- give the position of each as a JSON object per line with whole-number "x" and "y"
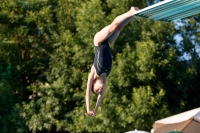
{"x": 90, "y": 113}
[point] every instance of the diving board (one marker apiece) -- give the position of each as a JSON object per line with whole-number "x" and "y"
{"x": 169, "y": 10}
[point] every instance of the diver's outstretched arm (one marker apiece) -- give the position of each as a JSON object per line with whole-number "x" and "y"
{"x": 100, "y": 97}
{"x": 88, "y": 91}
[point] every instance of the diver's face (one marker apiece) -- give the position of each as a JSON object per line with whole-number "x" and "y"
{"x": 98, "y": 86}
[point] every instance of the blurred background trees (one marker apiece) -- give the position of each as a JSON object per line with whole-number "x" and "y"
{"x": 46, "y": 52}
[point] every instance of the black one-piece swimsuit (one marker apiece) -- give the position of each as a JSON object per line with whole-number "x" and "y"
{"x": 103, "y": 58}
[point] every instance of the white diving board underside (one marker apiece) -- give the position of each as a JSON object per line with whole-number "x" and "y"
{"x": 169, "y": 10}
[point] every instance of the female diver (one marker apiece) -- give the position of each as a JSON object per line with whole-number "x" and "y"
{"x": 101, "y": 68}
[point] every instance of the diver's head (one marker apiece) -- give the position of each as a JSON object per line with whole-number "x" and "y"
{"x": 98, "y": 86}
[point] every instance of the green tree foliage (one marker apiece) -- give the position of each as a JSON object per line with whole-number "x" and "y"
{"x": 46, "y": 52}
{"x": 25, "y": 48}
{"x": 11, "y": 91}
{"x": 189, "y": 44}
